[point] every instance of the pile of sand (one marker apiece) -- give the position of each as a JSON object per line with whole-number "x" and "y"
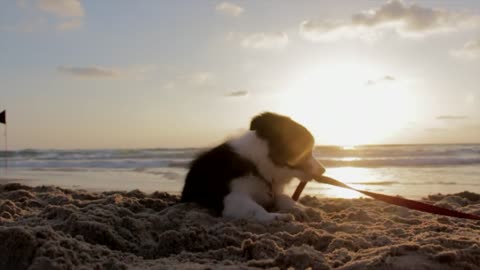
{"x": 54, "y": 228}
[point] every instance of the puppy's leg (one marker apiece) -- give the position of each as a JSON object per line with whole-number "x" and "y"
{"x": 241, "y": 205}
{"x": 284, "y": 202}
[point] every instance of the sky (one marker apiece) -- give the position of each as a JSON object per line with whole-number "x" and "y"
{"x": 146, "y": 74}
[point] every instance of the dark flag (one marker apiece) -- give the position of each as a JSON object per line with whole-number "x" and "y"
{"x": 3, "y": 117}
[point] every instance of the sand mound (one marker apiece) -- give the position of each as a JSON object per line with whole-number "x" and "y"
{"x": 54, "y": 228}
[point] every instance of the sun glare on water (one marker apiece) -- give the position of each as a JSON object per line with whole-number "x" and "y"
{"x": 354, "y": 177}
{"x": 348, "y": 103}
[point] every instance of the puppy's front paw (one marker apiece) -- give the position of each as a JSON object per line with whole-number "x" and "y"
{"x": 283, "y": 216}
{"x": 269, "y": 217}
{"x": 300, "y": 207}
{"x": 299, "y": 212}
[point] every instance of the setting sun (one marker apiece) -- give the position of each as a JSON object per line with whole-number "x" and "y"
{"x": 343, "y": 106}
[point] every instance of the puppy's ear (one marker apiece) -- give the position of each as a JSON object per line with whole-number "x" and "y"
{"x": 256, "y": 122}
{"x": 265, "y": 120}
{"x": 271, "y": 127}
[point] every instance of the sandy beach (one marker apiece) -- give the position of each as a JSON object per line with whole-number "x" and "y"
{"x": 47, "y": 227}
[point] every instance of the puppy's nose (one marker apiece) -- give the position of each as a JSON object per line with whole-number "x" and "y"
{"x": 315, "y": 168}
{"x": 320, "y": 170}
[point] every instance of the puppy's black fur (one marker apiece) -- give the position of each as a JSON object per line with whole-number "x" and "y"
{"x": 208, "y": 180}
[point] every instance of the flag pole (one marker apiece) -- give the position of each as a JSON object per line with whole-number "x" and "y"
{"x": 6, "y": 149}
{"x": 3, "y": 120}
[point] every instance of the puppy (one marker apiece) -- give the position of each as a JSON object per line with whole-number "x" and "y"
{"x": 245, "y": 176}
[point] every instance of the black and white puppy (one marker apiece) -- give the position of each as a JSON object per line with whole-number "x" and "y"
{"x": 245, "y": 176}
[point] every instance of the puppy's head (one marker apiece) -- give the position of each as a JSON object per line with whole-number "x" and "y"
{"x": 290, "y": 144}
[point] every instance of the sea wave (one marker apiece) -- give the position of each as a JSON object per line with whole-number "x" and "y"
{"x": 101, "y": 154}
{"x": 330, "y": 156}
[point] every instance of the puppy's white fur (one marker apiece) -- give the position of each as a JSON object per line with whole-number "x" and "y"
{"x": 248, "y": 194}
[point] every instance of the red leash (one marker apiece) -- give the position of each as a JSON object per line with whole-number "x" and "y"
{"x": 420, "y": 206}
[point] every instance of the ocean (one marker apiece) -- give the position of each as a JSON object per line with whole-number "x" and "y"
{"x": 412, "y": 171}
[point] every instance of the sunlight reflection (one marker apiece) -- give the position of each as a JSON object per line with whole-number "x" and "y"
{"x": 350, "y": 175}
{"x": 337, "y": 192}
{"x": 350, "y": 158}
{"x": 349, "y": 147}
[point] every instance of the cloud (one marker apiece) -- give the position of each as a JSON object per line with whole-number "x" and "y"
{"x": 65, "y": 15}
{"x": 62, "y": 8}
{"x": 135, "y": 72}
{"x": 386, "y": 78}
{"x": 229, "y": 9}
{"x": 323, "y": 31}
{"x": 451, "y": 117}
{"x": 469, "y": 51}
{"x": 90, "y": 72}
{"x": 261, "y": 40}
{"x": 406, "y": 20}
{"x": 241, "y": 93}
